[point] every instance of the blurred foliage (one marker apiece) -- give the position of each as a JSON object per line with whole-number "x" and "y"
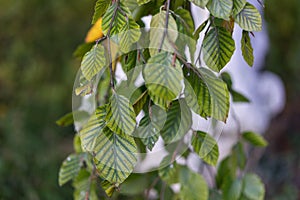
{"x": 37, "y": 39}
{"x": 280, "y": 164}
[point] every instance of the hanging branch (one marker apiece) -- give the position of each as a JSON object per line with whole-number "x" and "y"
{"x": 166, "y": 25}
{"x": 112, "y": 84}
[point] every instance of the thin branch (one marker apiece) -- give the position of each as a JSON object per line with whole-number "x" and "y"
{"x": 166, "y": 24}
{"x": 162, "y": 191}
{"x": 151, "y": 186}
{"x": 112, "y": 84}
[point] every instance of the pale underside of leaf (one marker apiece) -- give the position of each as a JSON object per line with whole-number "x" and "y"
{"x": 157, "y": 32}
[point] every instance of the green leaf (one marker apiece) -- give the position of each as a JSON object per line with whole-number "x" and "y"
{"x": 69, "y": 168}
{"x": 169, "y": 170}
{"x": 220, "y": 8}
{"x": 249, "y": 18}
{"x": 211, "y": 94}
{"x": 232, "y": 190}
{"x": 115, "y": 155}
{"x": 100, "y": 8}
{"x": 82, "y": 49}
{"x": 206, "y": 147}
{"x": 254, "y": 139}
{"x": 178, "y": 123}
{"x": 247, "y": 50}
{"x": 93, "y": 61}
{"x": 193, "y": 185}
{"x": 119, "y": 19}
{"x": 238, "y": 5}
{"x": 140, "y": 102}
{"x": 214, "y": 195}
{"x": 131, "y": 34}
{"x": 157, "y": 31}
{"x": 77, "y": 144}
{"x": 185, "y": 24}
{"x": 184, "y": 19}
{"x": 120, "y": 116}
{"x": 200, "y": 3}
{"x": 83, "y": 186}
{"x": 218, "y": 47}
{"x": 253, "y": 188}
{"x": 239, "y": 155}
{"x": 65, "y": 120}
{"x": 92, "y": 129}
{"x": 162, "y": 78}
{"x": 226, "y": 172}
{"x": 150, "y": 126}
{"x": 108, "y": 187}
{"x": 129, "y": 61}
{"x": 200, "y": 29}
{"x": 141, "y": 2}
{"x": 238, "y": 97}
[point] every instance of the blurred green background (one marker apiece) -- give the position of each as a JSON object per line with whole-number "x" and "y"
{"x": 37, "y": 71}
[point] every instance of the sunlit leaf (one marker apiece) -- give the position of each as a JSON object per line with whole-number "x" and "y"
{"x": 115, "y": 155}
{"x": 92, "y": 129}
{"x": 238, "y": 5}
{"x": 93, "y": 61}
{"x": 249, "y": 18}
{"x": 141, "y": 2}
{"x": 218, "y": 47}
{"x": 70, "y": 168}
{"x": 158, "y": 24}
{"x": 206, "y": 147}
{"x": 211, "y": 94}
{"x": 130, "y": 34}
{"x": 119, "y": 19}
{"x": 120, "y": 116}
{"x": 100, "y": 8}
{"x": 247, "y": 50}
{"x": 163, "y": 77}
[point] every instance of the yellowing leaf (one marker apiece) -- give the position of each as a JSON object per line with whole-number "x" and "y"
{"x": 95, "y": 32}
